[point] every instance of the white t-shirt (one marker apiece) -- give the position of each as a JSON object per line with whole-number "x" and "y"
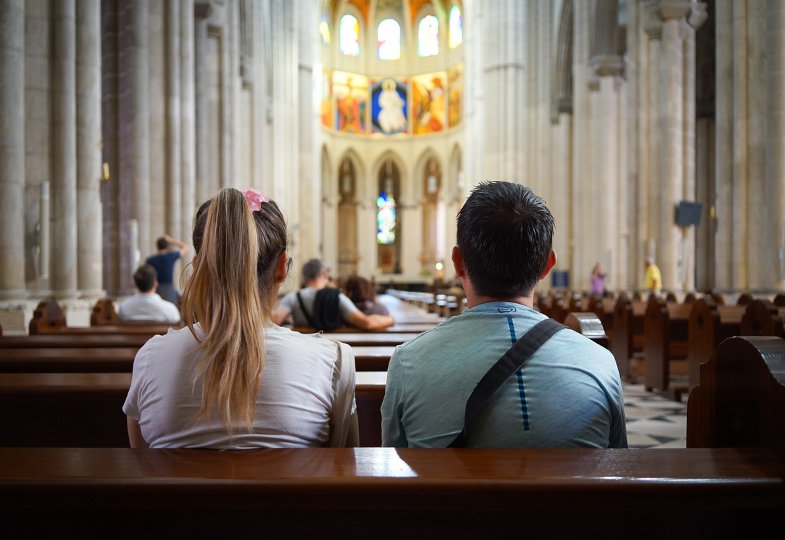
{"x": 148, "y": 307}
{"x": 307, "y": 385}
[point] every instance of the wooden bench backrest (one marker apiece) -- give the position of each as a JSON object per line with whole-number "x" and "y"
{"x": 740, "y": 401}
{"x": 762, "y": 318}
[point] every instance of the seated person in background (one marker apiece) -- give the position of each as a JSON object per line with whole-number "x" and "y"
{"x": 146, "y": 305}
{"x": 568, "y": 394}
{"x": 362, "y": 293}
{"x": 232, "y": 379}
{"x": 325, "y": 308}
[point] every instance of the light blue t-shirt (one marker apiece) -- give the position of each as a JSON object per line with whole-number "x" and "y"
{"x": 569, "y": 394}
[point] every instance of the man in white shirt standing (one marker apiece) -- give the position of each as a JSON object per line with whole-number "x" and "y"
{"x": 146, "y": 305}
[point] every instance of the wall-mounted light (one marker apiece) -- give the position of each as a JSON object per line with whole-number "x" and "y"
{"x": 106, "y": 172}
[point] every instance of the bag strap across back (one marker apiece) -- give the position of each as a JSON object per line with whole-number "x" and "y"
{"x": 305, "y": 312}
{"x": 508, "y": 364}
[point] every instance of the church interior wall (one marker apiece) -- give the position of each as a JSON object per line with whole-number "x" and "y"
{"x": 199, "y": 94}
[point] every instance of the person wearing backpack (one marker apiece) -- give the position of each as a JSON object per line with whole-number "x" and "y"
{"x": 325, "y": 308}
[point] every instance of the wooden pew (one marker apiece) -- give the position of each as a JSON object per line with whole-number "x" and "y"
{"x": 63, "y": 409}
{"x": 85, "y": 409}
{"x": 74, "y": 340}
{"x": 762, "y": 318}
{"x": 710, "y": 323}
{"x": 740, "y": 401}
{"x": 389, "y": 493}
{"x": 48, "y": 318}
{"x": 665, "y": 346}
{"x": 589, "y": 325}
{"x": 68, "y": 360}
{"x": 627, "y": 334}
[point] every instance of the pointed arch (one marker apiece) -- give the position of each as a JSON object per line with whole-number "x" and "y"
{"x": 561, "y": 100}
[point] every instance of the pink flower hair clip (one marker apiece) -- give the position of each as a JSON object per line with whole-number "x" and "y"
{"x": 254, "y": 199}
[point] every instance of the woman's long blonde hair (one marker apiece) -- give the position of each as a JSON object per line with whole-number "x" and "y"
{"x": 230, "y": 294}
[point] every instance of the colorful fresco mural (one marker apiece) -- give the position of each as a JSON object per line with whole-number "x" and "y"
{"x": 389, "y": 106}
{"x": 429, "y": 103}
{"x": 327, "y": 99}
{"x": 351, "y": 98}
{"x": 455, "y": 101}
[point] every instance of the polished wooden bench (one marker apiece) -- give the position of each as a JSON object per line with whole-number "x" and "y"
{"x": 74, "y": 340}
{"x": 741, "y": 397}
{"x": 588, "y": 324}
{"x": 665, "y": 346}
{"x": 710, "y": 323}
{"x": 67, "y": 360}
{"x": 763, "y": 318}
{"x": 48, "y": 318}
{"x": 628, "y": 337}
{"x": 389, "y": 493}
{"x": 85, "y": 409}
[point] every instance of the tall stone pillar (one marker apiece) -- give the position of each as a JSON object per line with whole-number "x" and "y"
{"x": 775, "y": 140}
{"x": 12, "y": 150}
{"x": 187, "y": 118}
{"x": 506, "y": 94}
{"x": 202, "y": 11}
{"x": 669, "y": 126}
{"x": 173, "y": 158}
{"x": 64, "y": 223}
{"x": 138, "y": 119}
{"x": 723, "y": 157}
{"x": 88, "y": 147}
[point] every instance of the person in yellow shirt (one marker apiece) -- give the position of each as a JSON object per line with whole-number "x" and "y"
{"x": 653, "y": 277}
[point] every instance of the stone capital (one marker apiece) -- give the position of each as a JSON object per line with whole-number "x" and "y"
{"x": 698, "y": 15}
{"x": 674, "y": 9}
{"x": 606, "y": 65}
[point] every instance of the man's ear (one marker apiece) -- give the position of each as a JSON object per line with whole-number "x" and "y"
{"x": 280, "y": 267}
{"x": 457, "y": 262}
{"x": 549, "y": 266}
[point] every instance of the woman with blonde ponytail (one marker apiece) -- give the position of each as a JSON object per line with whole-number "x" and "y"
{"x": 232, "y": 378}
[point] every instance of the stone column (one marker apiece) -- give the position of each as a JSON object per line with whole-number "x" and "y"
{"x": 201, "y": 13}
{"x": 64, "y": 224}
{"x": 725, "y": 201}
{"x": 669, "y": 133}
{"x": 173, "y": 158}
{"x": 138, "y": 119}
{"x": 189, "y": 202}
{"x": 12, "y": 150}
{"x": 88, "y": 147}
{"x": 506, "y": 95}
{"x": 775, "y": 140}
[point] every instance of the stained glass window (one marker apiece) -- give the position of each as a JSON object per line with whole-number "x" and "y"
{"x": 385, "y": 218}
{"x": 349, "y": 35}
{"x": 324, "y": 29}
{"x": 428, "y": 36}
{"x": 388, "y": 35}
{"x": 456, "y": 27}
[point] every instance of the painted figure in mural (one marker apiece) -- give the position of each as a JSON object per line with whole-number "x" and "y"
{"x": 429, "y": 105}
{"x": 391, "y": 117}
{"x": 349, "y": 111}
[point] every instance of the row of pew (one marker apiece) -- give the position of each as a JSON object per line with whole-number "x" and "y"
{"x": 729, "y": 482}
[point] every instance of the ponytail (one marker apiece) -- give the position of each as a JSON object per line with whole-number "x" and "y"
{"x": 224, "y": 296}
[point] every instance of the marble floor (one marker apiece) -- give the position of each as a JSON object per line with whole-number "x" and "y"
{"x": 654, "y": 421}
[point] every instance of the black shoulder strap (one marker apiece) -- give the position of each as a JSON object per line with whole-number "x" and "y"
{"x": 302, "y": 307}
{"x": 508, "y": 364}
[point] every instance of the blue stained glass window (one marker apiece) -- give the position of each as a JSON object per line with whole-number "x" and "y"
{"x": 388, "y": 36}
{"x": 385, "y": 218}
{"x": 456, "y": 27}
{"x": 349, "y": 35}
{"x": 428, "y": 36}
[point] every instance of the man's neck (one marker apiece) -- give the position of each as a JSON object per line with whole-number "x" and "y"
{"x": 316, "y": 284}
{"x": 476, "y": 300}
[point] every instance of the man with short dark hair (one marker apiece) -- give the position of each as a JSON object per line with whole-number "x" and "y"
{"x": 146, "y": 305}
{"x": 324, "y": 308}
{"x": 163, "y": 261}
{"x": 569, "y": 392}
